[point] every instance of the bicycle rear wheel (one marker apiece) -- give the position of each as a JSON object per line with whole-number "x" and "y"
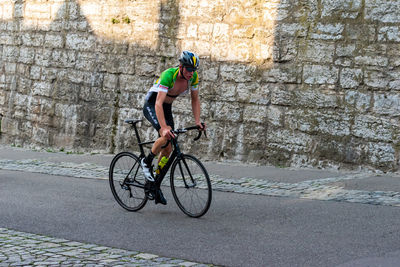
{"x": 127, "y": 181}
{"x": 191, "y": 186}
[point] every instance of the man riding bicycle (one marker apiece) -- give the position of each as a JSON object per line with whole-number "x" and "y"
{"x": 157, "y": 108}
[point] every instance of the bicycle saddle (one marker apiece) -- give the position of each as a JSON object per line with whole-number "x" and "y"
{"x": 132, "y": 121}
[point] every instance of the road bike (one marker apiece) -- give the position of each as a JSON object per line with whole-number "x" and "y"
{"x": 188, "y": 178}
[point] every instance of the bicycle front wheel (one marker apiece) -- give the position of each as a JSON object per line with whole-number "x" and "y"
{"x": 191, "y": 186}
{"x": 127, "y": 181}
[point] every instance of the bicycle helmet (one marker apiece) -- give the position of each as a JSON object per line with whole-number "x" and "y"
{"x": 189, "y": 60}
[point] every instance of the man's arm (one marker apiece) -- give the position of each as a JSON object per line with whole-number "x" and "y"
{"x": 165, "y": 130}
{"x": 196, "y": 107}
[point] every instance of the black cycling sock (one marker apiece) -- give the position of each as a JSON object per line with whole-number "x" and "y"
{"x": 149, "y": 159}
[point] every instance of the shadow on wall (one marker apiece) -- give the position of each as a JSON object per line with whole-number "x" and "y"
{"x": 63, "y": 79}
{"x": 76, "y": 79}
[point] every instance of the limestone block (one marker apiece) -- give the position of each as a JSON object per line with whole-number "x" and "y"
{"x": 255, "y": 113}
{"x": 282, "y": 95}
{"x": 394, "y": 83}
{"x": 80, "y": 41}
{"x": 345, "y": 50}
{"x": 389, "y": 33}
{"x": 344, "y": 9}
{"x": 304, "y": 9}
{"x": 291, "y": 29}
{"x": 239, "y": 50}
{"x": 333, "y": 124}
{"x": 357, "y": 100}
{"x": 283, "y": 74}
{"x": 374, "y": 128}
{"x": 253, "y": 90}
{"x": 226, "y": 91}
{"x": 76, "y": 76}
{"x": 387, "y": 104}
{"x": 372, "y": 60}
{"x": 95, "y": 80}
{"x": 381, "y": 154}
{"x": 387, "y": 11}
{"x": 316, "y": 98}
{"x": 126, "y": 65}
{"x": 77, "y": 25}
{"x": 287, "y": 140}
{"x": 43, "y": 57}
{"x": 53, "y": 40}
{"x": 37, "y": 10}
{"x": 350, "y": 78}
{"x": 134, "y": 83}
{"x": 284, "y": 49}
{"x": 51, "y": 74}
{"x": 376, "y": 79}
{"x": 275, "y": 116}
{"x": 328, "y": 31}
{"x": 319, "y": 74}
{"x": 32, "y": 38}
{"x": 42, "y": 89}
{"x": 205, "y": 31}
{"x": 20, "y": 100}
{"x": 145, "y": 66}
{"x": 221, "y": 32}
{"x": 227, "y": 111}
{"x": 110, "y": 80}
{"x": 7, "y": 38}
{"x": 10, "y": 68}
{"x": 315, "y": 51}
{"x": 35, "y": 72}
{"x": 10, "y": 53}
{"x": 64, "y": 58}
{"x": 237, "y": 73}
{"x": 6, "y": 10}
{"x": 24, "y": 86}
{"x": 208, "y": 72}
{"x": 40, "y": 135}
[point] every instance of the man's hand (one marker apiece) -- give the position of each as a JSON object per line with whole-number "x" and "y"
{"x": 202, "y": 126}
{"x": 166, "y": 132}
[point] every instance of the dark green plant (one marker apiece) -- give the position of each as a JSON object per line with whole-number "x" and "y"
{"x": 126, "y": 20}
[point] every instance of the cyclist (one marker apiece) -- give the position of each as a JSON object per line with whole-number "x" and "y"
{"x": 172, "y": 83}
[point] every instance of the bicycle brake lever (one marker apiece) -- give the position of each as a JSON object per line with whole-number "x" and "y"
{"x": 200, "y": 132}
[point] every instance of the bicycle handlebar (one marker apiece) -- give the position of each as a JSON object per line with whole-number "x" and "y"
{"x": 184, "y": 130}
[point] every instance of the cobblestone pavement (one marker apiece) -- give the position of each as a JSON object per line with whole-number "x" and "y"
{"x": 25, "y": 249}
{"x": 318, "y": 189}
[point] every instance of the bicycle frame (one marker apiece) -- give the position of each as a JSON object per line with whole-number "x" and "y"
{"x": 176, "y": 154}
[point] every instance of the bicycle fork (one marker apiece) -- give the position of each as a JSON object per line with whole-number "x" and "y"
{"x": 183, "y": 174}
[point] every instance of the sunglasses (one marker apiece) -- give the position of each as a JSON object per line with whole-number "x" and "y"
{"x": 190, "y": 69}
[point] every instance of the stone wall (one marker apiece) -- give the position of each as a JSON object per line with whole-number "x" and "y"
{"x": 289, "y": 83}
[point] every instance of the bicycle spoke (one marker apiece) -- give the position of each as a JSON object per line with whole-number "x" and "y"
{"x": 124, "y": 173}
{"x": 191, "y": 186}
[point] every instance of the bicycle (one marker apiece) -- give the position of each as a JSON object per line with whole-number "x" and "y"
{"x": 189, "y": 180}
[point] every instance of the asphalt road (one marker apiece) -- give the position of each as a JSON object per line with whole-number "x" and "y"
{"x": 238, "y": 230}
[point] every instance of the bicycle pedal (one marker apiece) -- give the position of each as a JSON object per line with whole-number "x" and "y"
{"x": 150, "y": 195}
{"x": 125, "y": 187}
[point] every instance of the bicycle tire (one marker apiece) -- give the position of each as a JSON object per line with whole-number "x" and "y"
{"x": 125, "y": 167}
{"x": 190, "y": 182}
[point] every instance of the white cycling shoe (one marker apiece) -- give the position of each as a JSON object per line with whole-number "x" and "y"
{"x": 147, "y": 171}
